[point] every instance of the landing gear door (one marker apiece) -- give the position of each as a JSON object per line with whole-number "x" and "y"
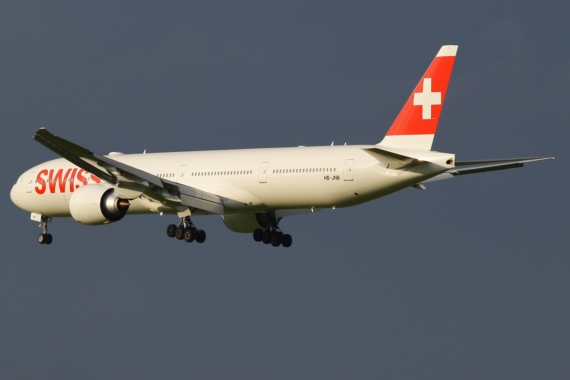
{"x": 263, "y": 172}
{"x": 349, "y": 170}
{"x": 181, "y": 173}
{"x": 30, "y": 182}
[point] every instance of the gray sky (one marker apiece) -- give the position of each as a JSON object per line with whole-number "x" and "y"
{"x": 468, "y": 279}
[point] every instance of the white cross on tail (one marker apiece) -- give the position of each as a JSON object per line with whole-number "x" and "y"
{"x": 426, "y": 99}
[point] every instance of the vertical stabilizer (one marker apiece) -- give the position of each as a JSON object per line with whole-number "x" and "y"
{"x": 416, "y": 124}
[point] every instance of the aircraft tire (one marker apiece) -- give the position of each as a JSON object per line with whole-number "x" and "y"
{"x": 200, "y": 236}
{"x": 189, "y": 235}
{"x": 171, "y": 230}
{"x": 266, "y": 237}
{"x": 49, "y": 238}
{"x": 258, "y": 235}
{"x": 42, "y": 238}
{"x": 179, "y": 233}
{"x": 276, "y": 239}
{"x": 287, "y": 240}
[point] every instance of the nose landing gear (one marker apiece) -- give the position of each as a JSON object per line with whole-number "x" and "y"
{"x": 186, "y": 231}
{"x": 44, "y": 237}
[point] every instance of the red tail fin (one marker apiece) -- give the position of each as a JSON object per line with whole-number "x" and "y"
{"x": 416, "y": 124}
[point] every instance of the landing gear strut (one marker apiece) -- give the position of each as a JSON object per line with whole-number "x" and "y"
{"x": 186, "y": 230}
{"x": 44, "y": 237}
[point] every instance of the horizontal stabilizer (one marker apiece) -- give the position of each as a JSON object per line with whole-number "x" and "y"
{"x": 503, "y": 164}
{"x": 400, "y": 158}
{"x": 390, "y": 159}
{"x": 501, "y": 160}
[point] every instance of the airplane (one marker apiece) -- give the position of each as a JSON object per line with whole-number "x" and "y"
{"x": 252, "y": 189}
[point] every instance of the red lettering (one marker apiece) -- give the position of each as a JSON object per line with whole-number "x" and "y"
{"x": 41, "y": 182}
{"x": 72, "y": 181}
{"x": 75, "y": 176}
{"x": 53, "y": 181}
{"x": 80, "y": 177}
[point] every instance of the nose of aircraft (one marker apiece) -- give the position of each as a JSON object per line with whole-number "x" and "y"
{"x": 15, "y": 195}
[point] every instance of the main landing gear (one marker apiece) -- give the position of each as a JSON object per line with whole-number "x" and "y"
{"x": 186, "y": 230}
{"x": 272, "y": 235}
{"x": 45, "y": 238}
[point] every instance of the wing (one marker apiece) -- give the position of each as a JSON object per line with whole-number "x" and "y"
{"x": 130, "y": 181}
{"x": 476, "y": 167}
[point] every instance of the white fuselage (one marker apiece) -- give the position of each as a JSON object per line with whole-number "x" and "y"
{"x": 258, "y": 179}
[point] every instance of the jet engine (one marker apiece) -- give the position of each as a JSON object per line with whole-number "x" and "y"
{"x": 245, "y": 223}
{"x": 97, "y": 204}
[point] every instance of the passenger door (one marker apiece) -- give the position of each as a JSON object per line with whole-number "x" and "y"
{"x": 181, "y": 173}
{"x": 263, "y": 172}
{"x": 348, "y": 170}
{"x": 30, "y": 182}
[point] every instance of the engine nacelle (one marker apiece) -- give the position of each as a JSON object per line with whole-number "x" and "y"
{"x": 245, "y": 223}
{"x": 97, "y": 204}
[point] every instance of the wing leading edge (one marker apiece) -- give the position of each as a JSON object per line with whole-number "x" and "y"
{"x": 127, "y": 180}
